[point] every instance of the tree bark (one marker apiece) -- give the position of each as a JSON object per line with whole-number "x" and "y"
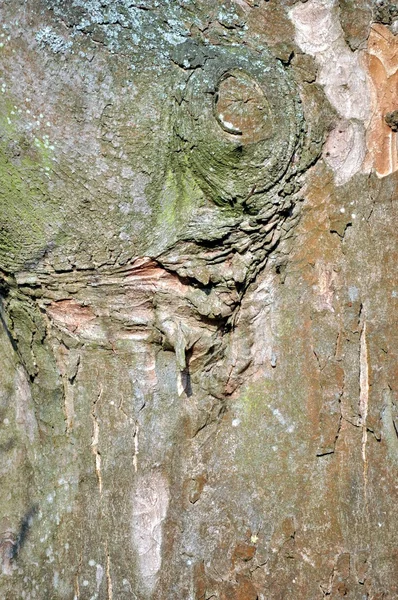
{"x": 198, "y": 341}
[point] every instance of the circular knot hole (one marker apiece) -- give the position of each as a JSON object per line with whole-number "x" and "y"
{"x": 241, "y": 108}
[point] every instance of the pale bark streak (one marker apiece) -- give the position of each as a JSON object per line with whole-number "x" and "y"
{"x": 364, "y": 402}
{"x": 95, "y": 442}
{"x": 136, "y": 452}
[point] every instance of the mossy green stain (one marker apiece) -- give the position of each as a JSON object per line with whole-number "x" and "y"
{"x": 25, "y": 206}
{"x": 178, "y": 199}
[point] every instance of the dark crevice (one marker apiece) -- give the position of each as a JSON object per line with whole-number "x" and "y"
{"x": 6, "y": 329}
{"x": 24, "y": 529}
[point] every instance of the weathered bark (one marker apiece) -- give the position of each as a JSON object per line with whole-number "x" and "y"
{"x": 198, "y": 392}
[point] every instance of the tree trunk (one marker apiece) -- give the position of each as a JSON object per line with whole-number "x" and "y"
{"x": 198, "y": 347}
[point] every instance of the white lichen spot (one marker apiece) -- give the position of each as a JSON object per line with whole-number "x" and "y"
{"x": 99, "y": 574}
{"x": 277, "y": 413}
{"x": 55, "y": 579}
{"x": 48, "y": 38}
{"x": 125, "y": 208}
{"x": 235, "y": 422}
{"x": 50, "y": 554}
{"x": 353, "y": 293}
{"x": 254, "y": 539}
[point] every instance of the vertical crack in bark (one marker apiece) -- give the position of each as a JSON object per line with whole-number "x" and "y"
{"x": 69, "y": 374}
{"x": 68, "y": 406}
{"x": 108, "y": 576}
{"x": 364, "y": 402}
{"x": 136, "y": 452}
{"x": 95, "y": 440}
{"x": 76, "y": 586}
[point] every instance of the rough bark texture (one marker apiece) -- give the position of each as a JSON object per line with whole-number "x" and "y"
{"x": 198, "y": 347}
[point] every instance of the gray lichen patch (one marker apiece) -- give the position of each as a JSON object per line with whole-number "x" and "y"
{"x": 47, "y": 37}
{"x": 124, "y": 25}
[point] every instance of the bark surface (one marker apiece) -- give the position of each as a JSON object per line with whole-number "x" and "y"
{"x": 199, "y": 301}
